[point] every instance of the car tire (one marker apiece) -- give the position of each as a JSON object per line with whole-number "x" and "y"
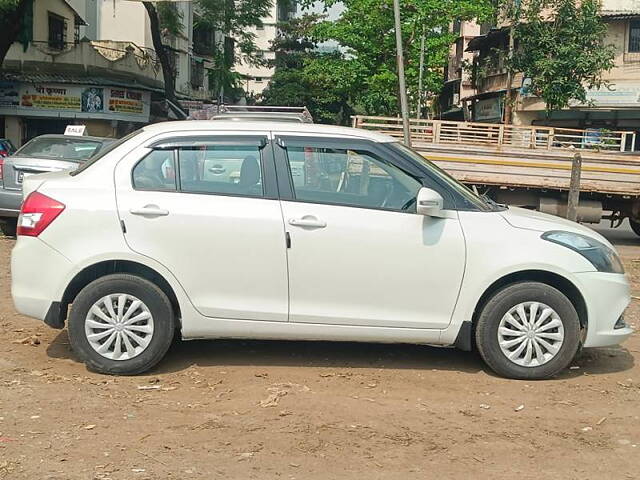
{"x": 136, "y": 345}
{"x": 537, "y": 348}
{"x": 635, "y": 226}
{"x": 8, "y": 227}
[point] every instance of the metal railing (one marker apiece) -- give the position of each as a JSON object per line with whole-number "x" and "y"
{"x": 499, "y": 135}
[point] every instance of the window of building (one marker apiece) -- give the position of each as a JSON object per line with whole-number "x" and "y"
{"x": 203, "y": 39}
{"x": 258, "y": 79}
{"x": 349, "y": 177}
{"x": 57, "y": 31}
{"x": 197, "y": 74}
{"x": 634, "y": 36}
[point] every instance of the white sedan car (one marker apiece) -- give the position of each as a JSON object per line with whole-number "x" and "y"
{"x": 302, "y": 232}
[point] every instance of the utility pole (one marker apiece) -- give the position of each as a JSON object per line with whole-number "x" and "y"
{"x": 509, "y": 99}
{"x": 404, "y": 107}
{"x": 574, "y": 186}
{"x": 421, "y": 73}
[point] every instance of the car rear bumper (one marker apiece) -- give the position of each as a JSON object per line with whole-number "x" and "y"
{"x": 36, "y": 273}
{"x": 10, "y": 202}
{"x": 607, "y": 296}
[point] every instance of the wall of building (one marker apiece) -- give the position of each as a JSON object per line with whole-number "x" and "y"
{"x": 87, "y": 9}
{"x": 614, "y": 106}
{"x": 41, "y": 10}
{"x": 13, "y": 130}
{"x": 258, "y": 77}
{"x": 123, "y": 21}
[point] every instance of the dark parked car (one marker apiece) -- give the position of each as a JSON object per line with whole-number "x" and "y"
{"x": 46, "y": 153}
{"x": 6, "y": 147}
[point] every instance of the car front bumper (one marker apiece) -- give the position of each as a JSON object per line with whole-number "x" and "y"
{"x": 10, "y": 202}
{"x": 607, "y": 295}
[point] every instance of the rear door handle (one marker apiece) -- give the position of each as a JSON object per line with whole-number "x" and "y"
{"x": 149, "y": 211}
{"x": 307, "y": 221}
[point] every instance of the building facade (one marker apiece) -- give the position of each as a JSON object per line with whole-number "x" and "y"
{"x": 257, "y": 77}
{"x": 615, "y": 107}
{"x": 104, "y": 74}
{"x": 458, "y": 82}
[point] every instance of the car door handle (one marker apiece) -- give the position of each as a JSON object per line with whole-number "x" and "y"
{"x": 307, "y": 221}
{"x": 149, "y": 211}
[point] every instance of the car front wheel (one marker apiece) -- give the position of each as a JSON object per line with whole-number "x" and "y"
{"x": 121, "y": 324}
{"x": 528, "y": 330}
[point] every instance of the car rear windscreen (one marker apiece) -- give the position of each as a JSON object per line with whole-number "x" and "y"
{"x": 72, "y": 149}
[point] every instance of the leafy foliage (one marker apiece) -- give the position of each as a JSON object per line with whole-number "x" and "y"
{"x": 365, "y": 30}
{"x": 8, "y": 5}
{"x": 14, "y": 15}
{"x": 306, "y": 77}
{"x": 170, "y": 18}
{"x": 562, "y": 50}
{"x": 234, "y": 19}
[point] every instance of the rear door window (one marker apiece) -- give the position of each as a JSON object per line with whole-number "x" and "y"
{"x": 156, "y": 171}
{"x": 221, "y": 169}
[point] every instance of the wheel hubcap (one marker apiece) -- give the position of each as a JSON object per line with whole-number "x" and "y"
{"x": 530, "y": 334}
{"x": 119, "y": 326}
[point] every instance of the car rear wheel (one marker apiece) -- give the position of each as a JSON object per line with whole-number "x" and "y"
{"x": 528, "y": 330}
{"x": 635, "y": 226}
{"x": 121, "y": 324}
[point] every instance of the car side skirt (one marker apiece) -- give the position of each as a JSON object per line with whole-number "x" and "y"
{"x": 265, "y": 330}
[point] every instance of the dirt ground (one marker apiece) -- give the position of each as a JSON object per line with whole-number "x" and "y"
{"x": 287, "y": 410}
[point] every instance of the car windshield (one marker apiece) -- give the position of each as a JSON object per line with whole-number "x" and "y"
{"x": 71, "y": 149}
{"x": 469, "y": 195}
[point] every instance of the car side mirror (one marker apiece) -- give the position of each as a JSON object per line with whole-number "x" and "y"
{"x": 430, "y": 203}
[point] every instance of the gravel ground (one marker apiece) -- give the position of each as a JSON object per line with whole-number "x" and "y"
{"x": 307, "y": 410}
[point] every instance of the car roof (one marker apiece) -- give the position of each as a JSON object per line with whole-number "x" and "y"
{"x": 78, "y": 137}
{"x": 274, "y": 127}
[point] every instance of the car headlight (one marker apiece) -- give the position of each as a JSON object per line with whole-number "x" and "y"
{"x": 600, "y": 255}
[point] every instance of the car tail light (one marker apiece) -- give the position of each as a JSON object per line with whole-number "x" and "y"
{"x": 1, "y": 167}
{"x": 37, "y": 213}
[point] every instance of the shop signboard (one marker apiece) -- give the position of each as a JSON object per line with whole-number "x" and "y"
{"x": 9, "y": 95}
{"x": 489, "y": 109}
{"x": 619, "y": 94}
{"x": 76, "y": 101}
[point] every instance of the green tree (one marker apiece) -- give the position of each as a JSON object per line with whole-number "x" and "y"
{"x": 164, "y": 21}
{"x": 12, "y": 19}
{"x": 235, "y": 20}
{"x": 365, "y": 30}
{"x": 306, "y": 77}
{"x": 231, "y": 18}
{"x": 561, "y": 48}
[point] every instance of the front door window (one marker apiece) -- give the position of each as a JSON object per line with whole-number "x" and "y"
{"x": 350, "y": 177}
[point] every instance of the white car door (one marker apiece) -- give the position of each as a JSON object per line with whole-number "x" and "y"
{"x": 359, "y": 254}
{"x": 206, "y": 207}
